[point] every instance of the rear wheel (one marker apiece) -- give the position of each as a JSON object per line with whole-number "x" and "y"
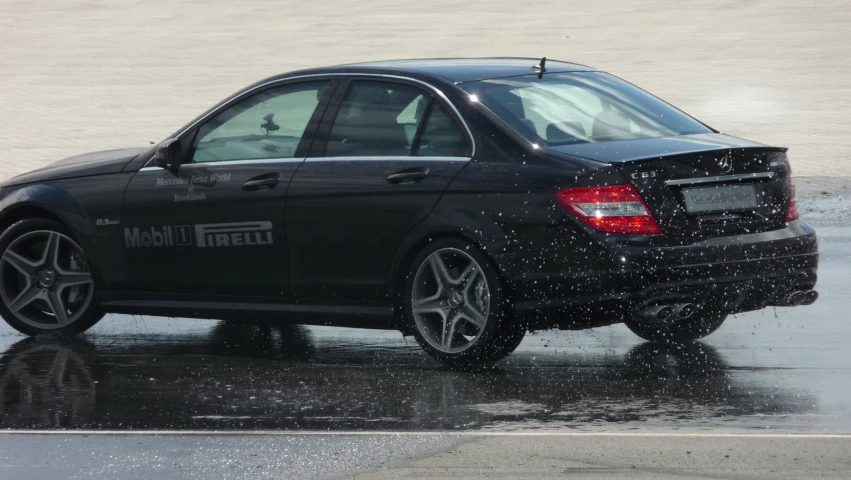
{"x": 455, "y": 305}
{"x": 45, "y": 282}
{"x": 697, "y": 326}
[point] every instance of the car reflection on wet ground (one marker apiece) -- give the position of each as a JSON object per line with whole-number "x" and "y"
{"x": 143, "y": 375}
{"x": 780, "y": 370}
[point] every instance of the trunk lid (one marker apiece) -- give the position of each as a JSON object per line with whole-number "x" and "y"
{"x": 702, "y": 185}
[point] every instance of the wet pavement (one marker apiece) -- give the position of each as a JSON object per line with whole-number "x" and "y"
{"x": 777, "y": 370}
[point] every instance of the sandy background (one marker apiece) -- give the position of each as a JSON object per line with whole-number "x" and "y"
{"x": 81, "y": 75}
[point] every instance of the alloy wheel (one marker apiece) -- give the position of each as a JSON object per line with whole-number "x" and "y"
{"x": 46, "y": 282}
{"x": 450, "y": 300}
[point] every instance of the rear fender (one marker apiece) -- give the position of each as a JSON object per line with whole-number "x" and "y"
{"x": 484, "y": 232}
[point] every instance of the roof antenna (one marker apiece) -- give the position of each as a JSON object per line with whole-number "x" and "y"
{"x": 541, "y": 68}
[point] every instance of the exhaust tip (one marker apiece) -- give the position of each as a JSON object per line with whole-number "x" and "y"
{"x": 797, "y": 298}
{"x": 657, "y": 313}
{"x": 664, "y": 313}
{"x": 809, "y": 297}
{"x": 685, "y": 310}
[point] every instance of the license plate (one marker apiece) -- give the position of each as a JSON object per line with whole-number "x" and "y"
{"x": 720, "y": 198}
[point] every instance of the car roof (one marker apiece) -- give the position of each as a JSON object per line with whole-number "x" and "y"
{"x": 458, "y": 70}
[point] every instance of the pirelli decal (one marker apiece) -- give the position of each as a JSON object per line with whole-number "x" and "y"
{"x": 210, "y": 235}
{"x": 233, "y": 234}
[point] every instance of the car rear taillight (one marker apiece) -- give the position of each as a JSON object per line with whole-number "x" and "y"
{"x": 792, "y": 206}
{"x": 610, "y": 208}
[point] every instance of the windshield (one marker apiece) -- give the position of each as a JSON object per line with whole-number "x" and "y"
{"x": 580, "y": 107}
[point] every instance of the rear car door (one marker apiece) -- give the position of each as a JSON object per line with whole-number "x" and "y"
{"x": 385, "y": 153}
{"x": 215, "y": 225}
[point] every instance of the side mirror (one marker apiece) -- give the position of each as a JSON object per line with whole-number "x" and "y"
{"x": 168, "y": 153}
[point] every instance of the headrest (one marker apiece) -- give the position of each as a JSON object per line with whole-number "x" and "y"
{"x": 610, "y": 124}
{"x": 565, "y": 131}
{"x": 528, "y": 124}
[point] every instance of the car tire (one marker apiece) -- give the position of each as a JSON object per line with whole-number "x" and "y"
{"x": 46, "y": 285}
{"x": 695, "y": 327}
{"x": 455, "y": 305}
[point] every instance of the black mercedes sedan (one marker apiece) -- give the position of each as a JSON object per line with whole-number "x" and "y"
{"x": 461, "y": 201}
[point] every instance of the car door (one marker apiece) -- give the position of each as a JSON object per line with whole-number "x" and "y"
{"x": 215, "y": 225}
{"x": 385, "y": 153}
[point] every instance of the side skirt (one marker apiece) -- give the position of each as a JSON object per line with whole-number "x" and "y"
{"x": 218, "y": 307}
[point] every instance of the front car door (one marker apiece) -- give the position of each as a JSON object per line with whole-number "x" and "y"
{"x": 215, "y": 225}
{"x": 385, "y": 153}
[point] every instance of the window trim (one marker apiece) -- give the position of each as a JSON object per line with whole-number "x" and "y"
{"x": 375, "y": 158}
{"x": 317, "y": 159}
{"x": 225, "y": 163}
{"x": 331, "y": 76}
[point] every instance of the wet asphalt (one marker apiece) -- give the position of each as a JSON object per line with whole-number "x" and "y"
{"x": 788, "y": 373}
{"x": 776, "y": 371}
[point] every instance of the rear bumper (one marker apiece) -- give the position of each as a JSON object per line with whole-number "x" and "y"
{"x": 736, "y": 273}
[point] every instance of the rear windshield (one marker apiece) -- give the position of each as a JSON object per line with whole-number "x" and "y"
{"x": 580, "y": 107}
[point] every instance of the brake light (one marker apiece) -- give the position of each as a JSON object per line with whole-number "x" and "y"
{"x": 610, "y": 208}
{"x": 792, "y": 206}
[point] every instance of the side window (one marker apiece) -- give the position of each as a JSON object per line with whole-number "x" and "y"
{"x": 269, "y": 124}
{"x": 376, "y": 119}
{"x": 441, "y": 136}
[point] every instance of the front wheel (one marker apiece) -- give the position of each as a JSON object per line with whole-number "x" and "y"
{"x": 454, "y": 302}
{"x": 46, "y": 285}
{"x": 697, "y": 326}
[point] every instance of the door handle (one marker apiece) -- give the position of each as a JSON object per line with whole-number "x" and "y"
{"x": 408, "y": 175}
{"x": 262, "y": 182}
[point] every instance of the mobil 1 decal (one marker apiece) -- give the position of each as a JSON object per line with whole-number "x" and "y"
{"x": 209, "y": 235}
{"x": 165, "y": 236}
